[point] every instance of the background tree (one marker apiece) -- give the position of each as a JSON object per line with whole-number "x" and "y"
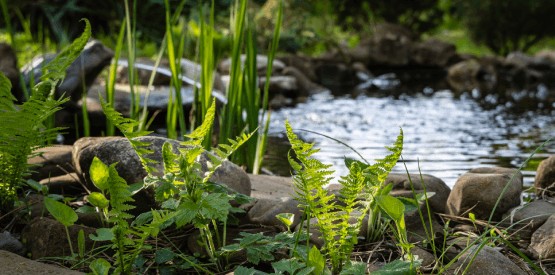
{"x": 509, "y": 25}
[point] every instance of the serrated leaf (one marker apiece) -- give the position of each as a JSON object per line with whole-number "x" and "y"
{"x": 241, "y": 270}
{"x": 100, "y": 267}
{"x": 61, "y": 212}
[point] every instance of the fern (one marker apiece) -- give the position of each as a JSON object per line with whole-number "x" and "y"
{"x": 127, "y": 127}
{"x": 338, "y": 234}
{"x": 22, "y": 130}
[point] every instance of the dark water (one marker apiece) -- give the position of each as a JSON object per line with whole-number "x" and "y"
{"x": 444, "y": 135}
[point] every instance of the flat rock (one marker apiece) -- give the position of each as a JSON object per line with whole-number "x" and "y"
{"x": 13, "y": 264}
{"x": 52, "y": 161}
{"x": 488, "y": 261}
{"x": 478, "y": 190}
{"x": 271, "y": 187}
{"x": 67, "y": 184}
{"x": 264, "y": 211}
{"x": 525, "y": 219}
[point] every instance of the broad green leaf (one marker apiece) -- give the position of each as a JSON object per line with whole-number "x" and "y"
{"x": 100, "y": 267}
{"x": 397, "y": 267}
{"x": 100, "y": 174}
{"x": 61, "y": 212}
{"x": 392, "y": 206}
{"x": 241, "y": 270}
{"x": 37, "y": 186}
{"x": 102, "y": 234}
{"x": 291, "y": 266}
{"x": 286, "y": 218}
{"x": 99, "y": 200}
{"x": 316, "y": 260}
{"x": 354, "y": 268}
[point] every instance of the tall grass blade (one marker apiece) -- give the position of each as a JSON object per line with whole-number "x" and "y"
{"x": 263, "y": 138}
{"x": 133, "y": 108}
{"x": 111, "y": 79}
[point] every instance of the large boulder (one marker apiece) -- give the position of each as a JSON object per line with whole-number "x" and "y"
{"x": 545, "y": 178}
{"x": 391, "y": 45}
{"x": 10, "y": 243}
{"x": 478, "y": 191}
{"x": 79, "y": 75}
{"x": 472, "y": 73}
{"x": 542, "y": 244}
{"x": 264, "y": 211}
{"x": 118, "y": 150}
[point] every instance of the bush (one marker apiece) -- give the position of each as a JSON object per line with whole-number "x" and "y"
{"x": 419, "y": 16}
{"x": 507, "y": 26}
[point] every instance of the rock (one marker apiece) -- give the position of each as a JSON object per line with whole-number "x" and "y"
{"x": 470, "y": 74}
{"x": 261, "y": 64}
{"x": 402, "y": 187}
{"x": 336, "y": 76}
{"x": 144, "y": 68}
{"x": 542, "y": 244}
{"x": 390, "y": 46}
{"x": 305, "y": 86}
{"x": 432, "y": 53}
{"x": 68, "y": 184}
{"x": 525, "y": 219}
{"x": 427, "y": 258}
{"x": 13, "y": 264}
{"x": 546, "y": 55}
{"x": 80, "y": 74}
{"x": 264, "y": 211}
{"x": 487, "y": 261}
{"x": 519, "y": 59}
{"x": 45, "y": 237}
{"x": 8, "y": 66}
{"x": 545, "y": 178}
{"x": 51, "y": 161}
{"x": 271, "y": 187}
{"x": 118, "y": 149}
{"x": 477, "y": 191}
{"x": 417, "y": 231}
{"x": 11, "y": 244}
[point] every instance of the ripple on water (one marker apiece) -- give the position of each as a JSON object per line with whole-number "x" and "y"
{"x": 443, "y": 136}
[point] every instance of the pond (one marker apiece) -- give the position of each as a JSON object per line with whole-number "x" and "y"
{"x": 444, "y": 135}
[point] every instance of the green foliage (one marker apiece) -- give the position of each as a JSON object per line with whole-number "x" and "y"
{"x": 362, "y": 192}
{"x": 243, "y": 94}
{"x": 60, "y": 211}
{"x": 23, "y": 129}
{"x": 505, "y": 26}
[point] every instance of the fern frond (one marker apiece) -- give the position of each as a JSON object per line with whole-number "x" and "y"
{"x": 201, "y": 133}
{"x": 119, "y": 195}
{"x": 377, "y": 173}
{"x": 127, "y": 127}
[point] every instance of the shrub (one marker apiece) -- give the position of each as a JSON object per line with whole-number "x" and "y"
{"x": 506, "y": 26}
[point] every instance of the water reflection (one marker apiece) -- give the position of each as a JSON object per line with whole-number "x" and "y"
{"x": 444, "y": 135}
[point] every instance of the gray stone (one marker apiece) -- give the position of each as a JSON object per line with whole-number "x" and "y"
{"x": 419, "y": 228}
{"x": 478, "y": 190}
{"x": 80, "y": 74}
{"x": 13, "y": 264}
{"x": 264, "y": 211}
{"x": 432, "y": 53}
{"x": 45, "y": 237}
{"x": 11, "y": 244}
{"x": 488, "y": 261}
{"x": 545, "y": 178}
{"x": 402, "y": 187}
{"x": 525, "y": 219}
{"x": 51, "y": 161}
{"x": 542, "y": 244}
{"x": 271, "y": 187}
{"x": 261, "y": 64}
{"x": 118, "y": 149}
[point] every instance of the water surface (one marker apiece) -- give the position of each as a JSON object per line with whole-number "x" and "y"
{"x": 444, "y": 135}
